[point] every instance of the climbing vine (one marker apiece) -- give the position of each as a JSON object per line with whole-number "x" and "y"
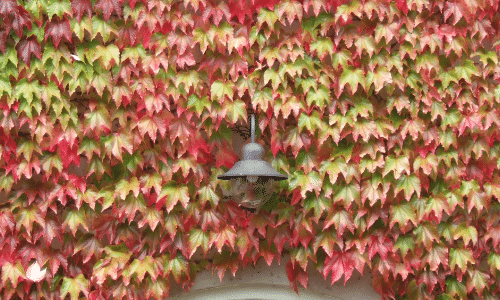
{"x": 116, "y": 117}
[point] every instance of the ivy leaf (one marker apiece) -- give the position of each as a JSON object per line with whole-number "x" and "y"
{"x": 219, "y": 90}
{"x": 58, "y": 8}
{"x": 402, "y": 214}
{"x": 142, "y": 266}
{"x": 353, "y": 77}
{"x": 109, "y": 55}
{"x": 107, "y": 7}
{"x": 461, "y": 257}
{"x": 477, "y": 280}
{"x": 342, "y": 263}
{"x": 409, "y": 184}
{"x": 404, "y": 244}
{"x": 227, "y": 235}
{"x": 90, "y": 246}
{"x": 74, "y": 286}
{"x": 28, "y": 216}
{"x": 115, "y": 142}
{"x": 73, "y": 218}
{"x": 198, "y": 238}
{"x": 57, "y": 29}
{"x": 467, "y": 233}
{"x": 172, "y": 193}
{"x": 27, "y": 47}
{"x": 381, "y": 245}
{"x": 436, "y": 256}
{"x": 326, "y": 240}
{"x": 179, "y": 267}
{"x": 11, "y": 272}
{"x": 80, "y": 7}
{"x": 308, "y": 182}
{"x": 455, "y": 288}
{"x": 8, "y": 7}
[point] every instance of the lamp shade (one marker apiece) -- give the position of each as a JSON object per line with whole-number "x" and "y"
{"x": 252, "y": 178}
{"x": 252, "y": 165}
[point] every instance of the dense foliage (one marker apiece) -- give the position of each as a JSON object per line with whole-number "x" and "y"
{"x": 116, "y": 117}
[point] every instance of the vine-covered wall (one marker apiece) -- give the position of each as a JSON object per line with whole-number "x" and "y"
{"x": 117, "y": 116}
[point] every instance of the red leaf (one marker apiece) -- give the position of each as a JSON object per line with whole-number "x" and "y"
{"x": 241, "y": 9}
{"x": 21, "y": 19}
{"x": 27, "y": 47}
{"x": 3, "y": 41}
{"x": 401, "y": 5}
{"x": 217, "y": 12}
{"x": 279, "y": 235}
{"x": 81, "y": 7}
{"x": 342, "y": 263}
{"x": 225, "y": 156}
{"x": 68, "y": 153}
{"x": 107, "y": 7}
{"x": 58, "y": 29}
{"x": 127, "y": 36}
{"x": 381, "y": 245}
{"x": 6, "y": 221}
{"x": 8, "y": 7}
{"x": 146, "y": 34}
{"x": 264, "y": 3}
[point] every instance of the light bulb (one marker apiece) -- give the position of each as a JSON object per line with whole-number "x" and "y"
{"x": 252, "y": 194}
{"x": 252, "y": 178}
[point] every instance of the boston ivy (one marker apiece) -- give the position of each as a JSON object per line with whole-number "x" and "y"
{"x": 116, "y": 118}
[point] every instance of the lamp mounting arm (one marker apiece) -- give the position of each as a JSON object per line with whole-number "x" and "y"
{"x": 252, "y": 127}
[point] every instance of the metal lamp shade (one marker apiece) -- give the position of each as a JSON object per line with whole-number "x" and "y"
{"x": 252, "y": 165}
{"x": 253, "y": 178}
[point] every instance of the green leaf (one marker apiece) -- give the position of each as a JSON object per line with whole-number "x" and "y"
{"x": 426, "y": 233}
{"x": 208, "y": 194}
{"x": 178, "y": 266}
{"x": 266, "y": 16}
{"x": 125, "y": 186}
{"x": 115, "y": 142}
{"x": 73, "y": 218}
{"x": 219, "y": 90}
{"x": 461, "y": 257}
{"x": 74, "y": 286}
{"x": 409, "y": 184}
{"x": 107, "y": 55}
{"x": 27, "y": 216}
{"x": 236, "y": 111}
{"x": 322, "y": 47}
{"x": 308, "y": 182}
{"x": 311, "y": 122}
{"x": 321, "y": 96}
{"x": 494, "y": 262}
{"x": 467, "y": 233}
{"x": 11, "y": 272}
{"x": 455, "y": 288}
{"x": 27, "y": 90}
{"x": 198, "y": 104}
{"x": 466, "y": 70}
{"x": 5, "y": 86}
{"x": 105, "y": 29}
{"x": 56, "y": 7}
{"x": 174, "y": 194}
{"x": 273, "y": 76}
{"x": 353, "y": 77}
{"x": 402, "y": 213}
{"x": 404, "y": 244}
{"x": 198, "y": 238}
{"x": 142, "y": 266}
